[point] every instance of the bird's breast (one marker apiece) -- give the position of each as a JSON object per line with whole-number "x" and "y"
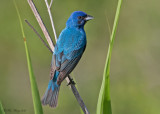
{"x": 71, "y": 39}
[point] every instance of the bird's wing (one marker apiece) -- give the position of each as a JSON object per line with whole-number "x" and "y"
{"x": 56, "y": 61}
{"x": 69, "y": 64}
{"x": 54, "y": 67}
{"x": 65, "y": 63}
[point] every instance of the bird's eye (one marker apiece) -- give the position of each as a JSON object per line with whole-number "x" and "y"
{"x": 80, "y": 17}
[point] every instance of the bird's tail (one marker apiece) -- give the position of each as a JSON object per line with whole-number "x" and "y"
{"x": 51, "y": 95}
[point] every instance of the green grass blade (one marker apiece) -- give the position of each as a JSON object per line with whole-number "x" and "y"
{"x": 104, "y": 101}
{"x": 34, "y": 88}
{"x": 35, "y": 93}
{"x": 1, "y": 109}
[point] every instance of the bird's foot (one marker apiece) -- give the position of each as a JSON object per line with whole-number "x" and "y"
{"x": 71, "y": 82}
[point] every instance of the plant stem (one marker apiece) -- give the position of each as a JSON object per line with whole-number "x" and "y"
{"x": 51, "y": 19}
{"x": 40, "y": 22}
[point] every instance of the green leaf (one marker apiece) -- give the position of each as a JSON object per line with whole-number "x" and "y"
{"x": 1, "y": 109}
{"x": 104, "y": 100}
{"x": 35, "y": 93}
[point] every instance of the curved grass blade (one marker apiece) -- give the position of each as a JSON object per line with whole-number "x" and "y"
{"x": 104, "y": 101}
{"x": 1, "y": 109}
{"x": 35, "y": 93}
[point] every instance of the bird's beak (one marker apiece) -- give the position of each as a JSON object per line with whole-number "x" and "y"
{"x": 88, "y": 17}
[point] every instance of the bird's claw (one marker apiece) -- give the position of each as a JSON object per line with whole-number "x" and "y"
{"x": 71, "y": 82}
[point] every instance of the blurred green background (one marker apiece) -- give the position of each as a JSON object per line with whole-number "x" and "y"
{"x": 135, "y": 64}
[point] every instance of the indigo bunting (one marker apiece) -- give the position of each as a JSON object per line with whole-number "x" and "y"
{"x": 67, "y": 53}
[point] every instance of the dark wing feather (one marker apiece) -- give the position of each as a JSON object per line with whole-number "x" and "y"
{"x": 68, "y": 65}
{"x": 67, "y": 69}
{"x": 64, "y": 68}
{"x": 55, "y": 65}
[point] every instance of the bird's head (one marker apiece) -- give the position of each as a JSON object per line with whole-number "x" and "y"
{"x": 78, "y": 19}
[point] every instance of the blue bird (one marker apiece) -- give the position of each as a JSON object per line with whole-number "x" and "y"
{"x": 67, "y": 53}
